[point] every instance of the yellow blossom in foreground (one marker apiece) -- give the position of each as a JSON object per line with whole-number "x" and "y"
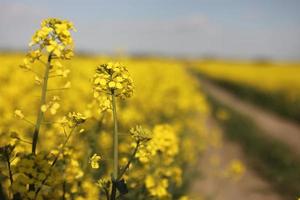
{"x": 54, "y": 36}
{"x": 94, "y": 161}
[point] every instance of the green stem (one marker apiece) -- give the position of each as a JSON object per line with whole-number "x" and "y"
{"x": 40, "y": 115}
{"x": 115, "y": 139}
{"x": 115, "y": 148}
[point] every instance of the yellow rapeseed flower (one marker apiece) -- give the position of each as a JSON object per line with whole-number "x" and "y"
{"x": 19, "y": 114}
{"x": 94, "y": 161}
{"x": 54, "y": 35}
{"x": 113, "y": 79}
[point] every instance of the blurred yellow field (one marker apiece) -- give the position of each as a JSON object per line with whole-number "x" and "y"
{"x": 272, "y": 76}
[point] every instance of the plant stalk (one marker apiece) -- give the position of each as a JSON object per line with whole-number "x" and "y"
{"x": 40, "y": 115}
{"x": 115, "y": 139}
{"x": 115, "y": 148}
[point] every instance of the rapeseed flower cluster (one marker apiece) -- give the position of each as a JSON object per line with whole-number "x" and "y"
{"x": 54, "y": 36}
{"x": 94, "y": 161}
{"x": 112, "y": 79}
{"x": 140, "y": 134}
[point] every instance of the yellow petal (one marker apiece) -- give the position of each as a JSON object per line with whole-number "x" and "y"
{"x": 44, "y": 108}
{"x": 111, "y": 84}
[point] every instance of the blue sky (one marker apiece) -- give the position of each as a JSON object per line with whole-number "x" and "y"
{"x": 225, "y": 28}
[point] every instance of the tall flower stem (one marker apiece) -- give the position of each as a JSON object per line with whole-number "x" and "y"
{"x": 40, "y": 115}
{"x": 115, "y": 148}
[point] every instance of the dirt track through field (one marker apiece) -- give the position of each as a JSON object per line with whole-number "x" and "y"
{"x": 274, "y": 126}
{"x": 211, "y": 185}
{"x": 251, "y": 186}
